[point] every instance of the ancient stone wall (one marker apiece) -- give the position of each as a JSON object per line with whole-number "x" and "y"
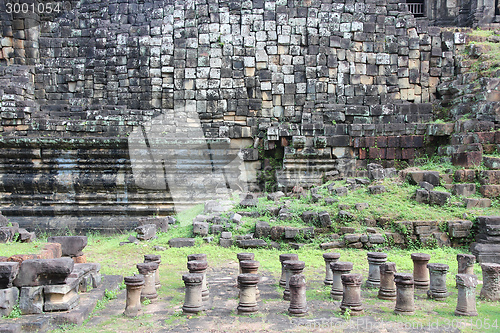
{"x": 311, "y": 78}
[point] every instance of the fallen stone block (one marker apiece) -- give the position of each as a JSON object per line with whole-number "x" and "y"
{"x": 8, "y": 272}
{"x": 421, "y": 195}
{"x": 324, "y": 219}
{"x": 181, "y": 242}
{"x": 225, "y": 242}
{"x": 426, "y": 185}
{"x": 332, "y": 245}
{"x": 464, "y": 190}
{"x": 162, "y": 223}
{"x": 480, "y": 203}
{"x": 432, "y": 177}
{"x": 38, "y": 272}
{"x": 8, "y": 299}
{"x": 200, "y": 228}
{"x": 341, "y": 191}
{"x": 11, "y": 328}
{"x": 7, "y": 234}
{"x": 146, "y": 232}
{"x": 71, "y": 246}
{"x": 251, "y": 243}
{"x": 61, "y": 297}
{"x": 275, "y": 196}
{"x": 377, "y": 189}
{"x": 31, "y": 300}
{"x": 309, "y": 217}
{"x": 25, "y": 236}
{"x": 361, "y": 206}
{"x": 248, "y": 201}
{"x": 352, "y": 238}
{"x": 262, "y": 229}
{"x": 376, "y": 239}
{"x": 439, "y": 198}
{"x": 277, "y": 232}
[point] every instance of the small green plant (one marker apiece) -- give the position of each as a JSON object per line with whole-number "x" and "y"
{"x": 146, "y": 301}
{"x": 110, "y": 294}
{"x": 347, "y": 314}
{"x": 15, "y": 313}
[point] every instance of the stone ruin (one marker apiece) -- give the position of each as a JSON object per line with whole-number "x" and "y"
{"x": 48, "y": 284}
{"x": 97, "y": 100}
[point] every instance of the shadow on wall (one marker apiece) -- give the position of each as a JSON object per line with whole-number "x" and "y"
{"x": 171, "y": 153}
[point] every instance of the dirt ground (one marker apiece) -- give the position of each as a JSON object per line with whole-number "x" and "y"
{"x": 221, "y": 315}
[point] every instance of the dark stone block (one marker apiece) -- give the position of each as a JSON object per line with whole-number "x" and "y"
{"x": 181, "y": 242}
{"x": 38, "y": 272}
{"x": 71, "y": 246}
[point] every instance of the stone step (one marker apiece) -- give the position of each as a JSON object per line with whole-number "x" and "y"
{"x": 490, "y": 191}
{"x": 492, "y": 163}
{"x": 489, "y": 177}
{"x": 464, "y": 190}
{"x": 480, "y": 203}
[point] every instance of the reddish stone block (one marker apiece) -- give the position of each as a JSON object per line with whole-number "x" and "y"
{"x": 375, "y": 153}
{"x": 497, "y": 137}
{"x": 465, "y": 176}
{"x": 467, "y": 159}
{"x": 489, "y": 148}
{"x": 370, "y": 142}
{"x": 284, "y": 142}
{"x": 393, "y": 141}
{"x": 399, "y": 153}
{"x": 362, "y": 153}
{"x": 382, "y": 141}
{"x": 80, "y": 260}
{"x": 390, "y": 153}
{"x": 21, "y": 257}
{"x": 408, "y": 154}
{"x": 486, "y": 137}
{"x": 51, "y": 251}
{"x": 490, "y": 191}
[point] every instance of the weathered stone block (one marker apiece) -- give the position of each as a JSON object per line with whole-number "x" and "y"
{"x": 459, "y": 229}
{"x": 275, "y": 196}
{"x": 37, "y": 272}
{"x": 71, "y": 246}
{"x": 309, "y": 217}
{"x": 492, "y": 162}
{"x": 8, "y": 272}
{"x": 352, "y": 238}
{"x": 490, "y": 191}
{"x": 25, "y": 236}
{"x": 377, "y": 189}
{"x": 431, "y": 177}
{"x": 376, "y": 239}
{"x": 8, "y": 299}
{"x": 464, "y": 190}
{"x": 7, "y": 234}
{"x": 324, "y": 219}
{"x": 31, "y": 300}
{"x": 181, "y": 242}
{"x": 200, "y": 228}
{"x": 332, "y": 245}
{"x": 225, "y": 242}
{"x": 251, "y": 243}
{"x": 146, "y": 232}
{"x": 489, "y": 177}
{"x": 61, "y": 297}
{"x": 262, "y": 229}
{"x": 473, "y": 202}
{"x": 439, "y": 198}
